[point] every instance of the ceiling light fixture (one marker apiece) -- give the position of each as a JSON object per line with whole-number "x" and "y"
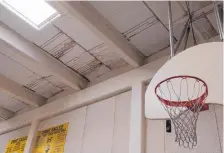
{"x": 36, "y": 12}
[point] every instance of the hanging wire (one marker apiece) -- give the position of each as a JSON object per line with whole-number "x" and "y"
{"x": 191, "y": 21}
{"x": 186, "y": 26}
{"x": 186, "y": 38}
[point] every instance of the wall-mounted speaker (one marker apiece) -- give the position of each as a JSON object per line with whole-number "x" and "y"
{"x": 168, "y": 126}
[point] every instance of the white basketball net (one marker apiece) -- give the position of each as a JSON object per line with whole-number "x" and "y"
{"x": 183, "y": 98}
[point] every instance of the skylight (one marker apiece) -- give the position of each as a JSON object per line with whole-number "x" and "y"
{"x": 35, "y": 12}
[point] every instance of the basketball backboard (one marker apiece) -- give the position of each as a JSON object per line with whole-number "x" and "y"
{"x": 204, "y": 61}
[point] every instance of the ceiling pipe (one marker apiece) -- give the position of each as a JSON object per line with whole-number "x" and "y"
{"x": 170, "y": 29}
{"x": 218, "y": 20}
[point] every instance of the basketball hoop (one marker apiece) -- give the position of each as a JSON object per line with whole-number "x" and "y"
{"x": 183, "y": 97}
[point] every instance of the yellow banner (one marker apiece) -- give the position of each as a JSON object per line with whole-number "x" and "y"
{"x": 16, "y": 145}
{"x": 51, "y": 140}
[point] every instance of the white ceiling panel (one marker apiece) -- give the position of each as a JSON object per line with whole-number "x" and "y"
{"x": 59, "y": 45}
{"x": 141, "y": 27}
{"x": 84, "y": 64}
{"x": 98, "y": 72}
{"x": 76, "y": 57}
{"x": 13, "y": 70}
{"x": 160, "y": 8}
{"x": 178, "y": 28}
{"x": 195, "y": 5}
{"x": 79, "y": 59}
{"x": 78, "y": 31}
{"x": 26, "y": 30}
{"x": 88, "y": 68}
{"x": 205, "y": 28}
{"x": 137, "y": 23}
{"x": 54, "y": 42}
{"x": 107, "y": 56}
{"x": 151, "y": 40}
{"x": 48, "y": 89}
{"x": 74, "y": 52}
{"x": 29, "y": 64}
{"x": 36, "y": 82}
{"x": 59, "y": 39}
{"x": 123, "y": 14}
{"x": 20, "y": 68}
{"x": 44, "y": 86}
{"x": 117, "y": 63}
{"x": 6, "y": 50}
{"x": 211, "y": 18}
{"x": 11, "y": 103}
{"x": 53, "y": 80}
{"x": 16, "y": 68}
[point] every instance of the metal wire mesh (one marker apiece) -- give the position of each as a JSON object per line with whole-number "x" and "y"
{"x": 183, "y": 97}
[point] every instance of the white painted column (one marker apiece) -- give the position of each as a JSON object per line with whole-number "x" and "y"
{"x": 137, "y": 123}
{"x": 32, "y": 137}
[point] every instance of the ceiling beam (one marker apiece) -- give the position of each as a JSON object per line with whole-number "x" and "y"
{"x": 19, "y": 92}
{"x": 101, "y": 27}
{"x": 40, "y": 57}
{"x": 5, "y": 113}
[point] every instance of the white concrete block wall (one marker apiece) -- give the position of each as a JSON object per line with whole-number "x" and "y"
{"x": 209, "y": 134}
{"x": 102, "y": 127}
{"x": 155, "y": 130}
{"x": 98, "y": 133}
{"x": 121, "y": 123}
{"x": 219, "y": 115}
{"x": 12, "y": 135}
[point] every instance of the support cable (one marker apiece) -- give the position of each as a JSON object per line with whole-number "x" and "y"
{"x": 186, "y": 26}
{"x": 191, "y": 22}
{"x": 186, "y": 38}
